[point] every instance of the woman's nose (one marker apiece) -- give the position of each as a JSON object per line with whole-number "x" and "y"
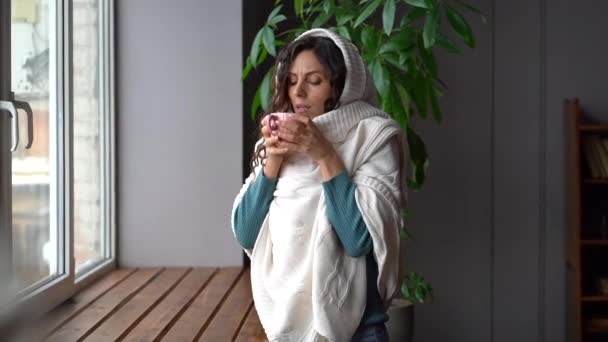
{"x": 299, "y": 89}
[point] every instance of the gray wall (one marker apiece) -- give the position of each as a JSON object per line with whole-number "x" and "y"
{"x": 179, "y": 131}
{"x": 489, "y": 225}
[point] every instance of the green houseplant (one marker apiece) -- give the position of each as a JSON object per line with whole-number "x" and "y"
{"x": 399, "y": 54}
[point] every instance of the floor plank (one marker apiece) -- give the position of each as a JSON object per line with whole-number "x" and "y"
{"x": 70, "y": 308}
{"x": 119, "y": 323}
{"x": 91, "y": 317}
{"x": 163, "y": 315}
{"x": 252, "y": 330}
{"x": 227, "y": 322}
{"x": 195, "y": 318}
{"x": 158, "y": 304}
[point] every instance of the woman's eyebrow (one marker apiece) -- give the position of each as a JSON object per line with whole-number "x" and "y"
{"x": 308, "y": 73}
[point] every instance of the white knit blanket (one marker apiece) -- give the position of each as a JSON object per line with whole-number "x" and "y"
{"x": 305, "y": 287}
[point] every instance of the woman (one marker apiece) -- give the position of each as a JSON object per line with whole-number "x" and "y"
{"x": 319, "y": 215}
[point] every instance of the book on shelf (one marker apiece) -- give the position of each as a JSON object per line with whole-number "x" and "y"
{"x": 595, "y": 149}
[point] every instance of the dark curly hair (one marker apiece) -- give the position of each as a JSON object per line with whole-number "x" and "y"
{"x": 329, "y": 55}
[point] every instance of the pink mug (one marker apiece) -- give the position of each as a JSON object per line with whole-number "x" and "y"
{"x": 274, "y": 117}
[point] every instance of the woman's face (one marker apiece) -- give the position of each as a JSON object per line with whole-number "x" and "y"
{"x": 308, "y": 85}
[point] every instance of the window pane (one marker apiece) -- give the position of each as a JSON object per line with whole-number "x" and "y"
{"x": 89, "y": 232}
{"x": 34, "y": 171}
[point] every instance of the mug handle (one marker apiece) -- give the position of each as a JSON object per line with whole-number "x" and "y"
{"x": 272, "y": 122}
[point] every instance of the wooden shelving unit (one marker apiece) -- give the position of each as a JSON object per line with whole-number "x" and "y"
{"x": 594, "y": 242}
{"x": 587, "y": 203}
{"x": 596, "y": 181}
{"x": 595, "y": 299}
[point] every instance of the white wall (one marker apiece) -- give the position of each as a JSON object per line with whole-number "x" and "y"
{"x": 179, "y": 131}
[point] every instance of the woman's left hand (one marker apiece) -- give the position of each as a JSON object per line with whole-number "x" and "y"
{"x": 299, "y": 133}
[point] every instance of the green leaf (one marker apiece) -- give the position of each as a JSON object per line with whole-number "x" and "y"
{"x": 429, "y": 32}
{"x": 369, "y": 10}
{"x": 418, "y": 153}
{"x": 274, "y": 12}
{"x": 255, "y": 47}
{"x": 460, "y": 26}
{"x": 430, "y": 289}
{"x": 473, "y": 9}
{"x": 328, "y": 6}
{"x": 400, "y": 42}
{"x": 279, "y": 18}
{"x": 435, "y": 104}
{"x": 412, "y": 185}
{"x": 428, "y": 58}
{"x": 419, "y": 174}
{"x": 367, "y": 38}
{"x": 380, "y": 76}
{"x": 321, "y": 20}
{"x": 404, "y": 234}
{"x": 386, "y": 104}
{"x": 247, "y": 70}
{"x": 265, "y": 91}
{"x": 419, "y": 95}
{"x": 370, "y": 39}
{"x": 415, "y": 288}
{"x": 406, "y": 213}
{"x": 403, "y": 58}
{"x": 419, "y": 295}
{"x": 255, "y": 104}
{"x": 393, "y": 60}
{"x": 343, "y": 31}
{"x": 406, "y": 291}
{"x": 447, "y": 44}
{"x": 263, "y": 56}
{"x": 405, "y": 100}
{"x": 397, "y": 111}
{"x": 388, "y": 16}
{"x": 343, "y": 15}
{"x": 268, "y": 40}
{"x": 418, "y": 3}
{"x": 298, "y": 6}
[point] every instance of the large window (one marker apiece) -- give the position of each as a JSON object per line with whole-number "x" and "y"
{"x": 56, "y": 147}
{"x": 91, "y": 104}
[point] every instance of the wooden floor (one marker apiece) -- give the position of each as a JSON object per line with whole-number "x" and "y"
{"x": 158, "y": 304}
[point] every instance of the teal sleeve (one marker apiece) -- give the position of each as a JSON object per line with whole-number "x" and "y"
{"x": 345, "y": 217}
{"x": 251, "y": 211}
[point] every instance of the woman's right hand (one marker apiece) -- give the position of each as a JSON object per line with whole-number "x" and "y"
{"x": 274, "y": 153}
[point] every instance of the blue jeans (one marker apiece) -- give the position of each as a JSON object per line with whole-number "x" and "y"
{"x": 371, "y": 333}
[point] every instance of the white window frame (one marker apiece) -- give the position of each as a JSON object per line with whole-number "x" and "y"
{"x": 64, "y": 286}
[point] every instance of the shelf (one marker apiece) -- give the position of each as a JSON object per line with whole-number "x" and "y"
{"x": 593, "y": 128}
{"x": 588, "y": 251}
{"x": 595, "y": 242}
{"x": 597, "y": 325}
{"x": 596, "y": 181}
{"x": 594, "y": 298}
{"x": 592, "y": 332}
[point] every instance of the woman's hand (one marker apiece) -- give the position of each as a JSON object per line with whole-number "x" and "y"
{"x": 273, "y": 150}
{"x": 300, "y": 134}
{"x": 274, "y": 153}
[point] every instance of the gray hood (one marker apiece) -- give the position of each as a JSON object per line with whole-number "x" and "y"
{"x": 358, "y": 86}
